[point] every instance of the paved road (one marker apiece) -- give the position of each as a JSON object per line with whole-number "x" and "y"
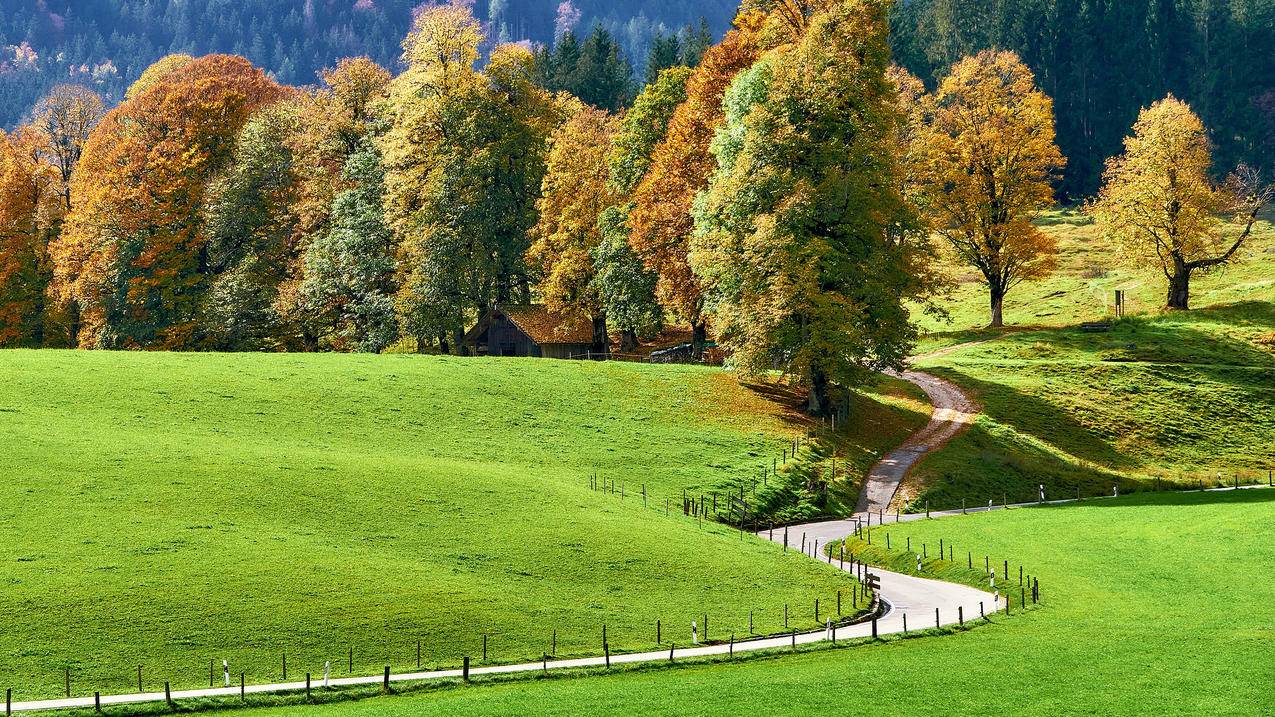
{"x": 953, "y": 412}
{"x": 906, "y": 600}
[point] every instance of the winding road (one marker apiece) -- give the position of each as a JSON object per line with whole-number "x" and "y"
{"x": 908, "y": 603}
{"x": 953, "y": 413}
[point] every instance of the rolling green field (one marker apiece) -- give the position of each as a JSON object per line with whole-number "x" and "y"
{"x": 1151, "y": 604}
{"x": 165, "y": 510}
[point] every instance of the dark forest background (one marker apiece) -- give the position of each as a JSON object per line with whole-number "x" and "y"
{"x": 1101, "y": 60}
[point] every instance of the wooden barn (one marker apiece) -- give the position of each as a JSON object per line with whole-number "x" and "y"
{"x": 530, "y": 330}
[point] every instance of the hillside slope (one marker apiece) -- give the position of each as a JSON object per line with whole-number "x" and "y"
{"x": 1159, "y": 397}
{"x": 165, "y": 510}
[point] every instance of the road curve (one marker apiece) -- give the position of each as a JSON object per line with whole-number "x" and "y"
{"x": 953, "y": 413}
{"x": 909, "y": 602}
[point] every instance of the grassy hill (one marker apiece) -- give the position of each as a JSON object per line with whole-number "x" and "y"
{"x": 1082, "y": 286}
{"x": 1113, "y": 575}
{"x": 165, "y": 510}
{"x": 1160, "y": 397}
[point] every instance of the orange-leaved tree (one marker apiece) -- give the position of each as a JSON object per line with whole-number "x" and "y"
{"x": 660, "y": 222}
{"x": 575, "y": 192}
{"x": 29, "y": 206}
{"x": 1159, "y": 200}
{"x": 987, "y": 159}
{"x": 133, "y": 252}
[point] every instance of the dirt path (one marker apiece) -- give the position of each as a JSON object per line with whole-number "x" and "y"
{"x": 954, "y": 411}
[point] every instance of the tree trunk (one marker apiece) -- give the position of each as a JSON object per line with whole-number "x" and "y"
{"x": 309, "y": 341}
{"x": 628, "y": 341}
{"x": 699, "y": 336}
{"x": 1180, "y": 288}
{"x": 458, "y": 340}
{"x": 73, "y": 324}
{"x": 601, "y": 339}
{"x": 443, "y": 345}
{"x": 998, "y": 305}
{"x": 819, "y": 400}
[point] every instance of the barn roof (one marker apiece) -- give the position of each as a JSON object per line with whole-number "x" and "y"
{"x": 547, "y": 327}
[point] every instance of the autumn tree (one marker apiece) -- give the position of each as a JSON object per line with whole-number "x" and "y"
{"x": 986, "y": 162}
{"x": 627, "y": 288}
{"x": 575, "y": 192}
{"x": 156, "y": 72}
{"x": 464, "y": 159}
{"x": 66, "y": 116}
{"x": 252, "y": 226}
{"x": 29, "y": 204}
{"x": 349, "y": 272}
{"x": 134, "y": 252}
{"x": 660, "y": 221}
{"x": 1159, "y": 201}
{"x": 806, "y": 246}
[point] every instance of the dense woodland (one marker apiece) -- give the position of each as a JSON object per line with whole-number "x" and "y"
{"x": 789, "y": 189}
{"x": 1100, "y": 60}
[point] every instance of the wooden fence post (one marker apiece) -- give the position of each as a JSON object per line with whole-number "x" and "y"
{"x": 464, "y": 670}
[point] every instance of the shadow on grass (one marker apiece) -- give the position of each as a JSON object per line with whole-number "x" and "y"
{"x": 1037, "y": 418}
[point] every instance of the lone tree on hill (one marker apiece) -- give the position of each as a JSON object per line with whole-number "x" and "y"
{"x": 1160, "y": 203}
{"x": 986, "y": 162}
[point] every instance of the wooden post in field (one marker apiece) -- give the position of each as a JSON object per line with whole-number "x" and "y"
{"x": 659, "y": 638}
{"x": 243, "y": 689}
{"x": 385, "y": 681}
{"x": 905, "y": 623}
{"x": 66, "y": 672}
{"x": 8, "y": 702}
{"x": 307, "y": 687}
{"x": 285, "y": 665}
{"x": 351, "y": 663}
{"x": 464, "y": 670}
{"x": 555, "y": 642}
{"x": 139, "y": 679}
{"x": 168, "y": 693}
{"x": 484, "y": 647}
{"x": 97, "y": 701}
{"x": 937, "y": 623}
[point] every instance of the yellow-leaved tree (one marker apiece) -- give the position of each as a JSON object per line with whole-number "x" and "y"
{"x": 986, "y": 159}
{"x": 575, "y": 192}
{"x": 1160, "y": 203}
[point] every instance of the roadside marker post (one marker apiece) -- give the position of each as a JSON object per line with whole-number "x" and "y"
{"x": 385, "y": 682}
{"x": 464, "y": 670}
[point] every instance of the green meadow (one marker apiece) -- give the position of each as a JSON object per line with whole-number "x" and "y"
{"x": 1157, "y": 398}
{"x": 1150, "y": 604}
{"x": 167, "y": 510}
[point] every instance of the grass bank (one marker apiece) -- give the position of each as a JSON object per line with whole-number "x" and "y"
{"x": 168, "y": 510}
{"x": 1114, "y": 575}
